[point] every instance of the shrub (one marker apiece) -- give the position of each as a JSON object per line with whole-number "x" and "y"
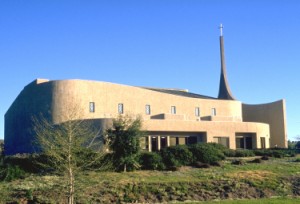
{"x": 229, "y": 153}
{"x": 10, "y": 172}
{"x": 151, "y": 161}
{"x": 244, "y": 153}
{"x": 176, "y": 156}
{"x": 297, "y": 160}
{"x": 206, "y": 153}
{"x": 276, "y": 152}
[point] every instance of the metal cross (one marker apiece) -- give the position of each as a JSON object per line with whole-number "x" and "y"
{"x": 221, "y": 29}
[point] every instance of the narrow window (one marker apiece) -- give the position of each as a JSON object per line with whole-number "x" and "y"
{"x": 148, "y": 109}
{"x": 92, "y": 107}
{"x": 173, "y": 109}
{"x": 213, "y": 112}
{"x": 120, "y": 108}
{"x": 197, "y": 111}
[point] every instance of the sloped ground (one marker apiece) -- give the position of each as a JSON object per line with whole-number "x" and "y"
{"x": 275, "y": 177}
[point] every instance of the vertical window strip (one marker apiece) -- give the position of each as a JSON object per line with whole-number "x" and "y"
{"x": 148, "y": 109}
{"x": 120, "y": 108}
{"x": 92, "y": 107}
{"x": 173, "y": 109}
{"x": 197, "y": 111}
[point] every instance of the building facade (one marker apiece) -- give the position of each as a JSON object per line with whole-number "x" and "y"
{"x": 170, "y": 116}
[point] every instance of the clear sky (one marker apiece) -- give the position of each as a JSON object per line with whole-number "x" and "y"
{"x": 156, "y": 43}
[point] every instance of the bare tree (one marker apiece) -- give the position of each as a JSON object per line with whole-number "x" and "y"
{"x": 64, "y": 143}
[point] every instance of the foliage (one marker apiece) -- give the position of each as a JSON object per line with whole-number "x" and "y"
{"x": 206, "y": 152}
{"x": 297, "y": 145}
{"x": 124, "y": 141}
{"x": 175, "y": 156}
{"x": 244, "y": 153}
{"x": 11, "y": 172}
{"x": 276, "y": 152}
{"x": 151, "y": 161}
{"x": 63, "y": 144}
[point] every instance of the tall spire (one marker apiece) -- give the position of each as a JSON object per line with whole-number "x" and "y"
{"x": 224, "y": 89}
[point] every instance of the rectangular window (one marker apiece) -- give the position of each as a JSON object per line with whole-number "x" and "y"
{"x": 213, "y": 112}
{"x": 222, "y": 140}
{"x": 197, "y": 111}
{"x": 92, "y": 107}
{"x": 147, "y": 109}
{"x": 120, "y": 108}
{"x": 173, "y": 109}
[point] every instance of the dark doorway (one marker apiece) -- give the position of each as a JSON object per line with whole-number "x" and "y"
{"x": 163, "y": 142}
{"x": 248, "y": 141}
{"x": 153, "y": 144}
{"x": 263, "y": 142}
{"x": 192, "y": 140}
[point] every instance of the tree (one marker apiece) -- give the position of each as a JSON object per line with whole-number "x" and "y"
{"x": 124, "y": 141}
{"x": 64, "y": 143}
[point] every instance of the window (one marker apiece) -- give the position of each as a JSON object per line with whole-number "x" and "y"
{"x": 263, "y": 142}
{"x": 173, "y": 109}
{"x": 222, "y": 140}
{"x": 147, "y": 109}
{"x": 197, "y": 111}
{"x": 213, "y": 112}
{"x": 120, "y": 108}
{"x": 92, "y": 107}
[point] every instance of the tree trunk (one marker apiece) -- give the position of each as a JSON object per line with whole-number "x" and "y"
{"x": 71, "y": 175}
{"x": 125, "y": 169}
{"x": 71, "y": 187}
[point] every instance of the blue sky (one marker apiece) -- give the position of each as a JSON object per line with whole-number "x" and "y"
{"x": 157, "y": 43}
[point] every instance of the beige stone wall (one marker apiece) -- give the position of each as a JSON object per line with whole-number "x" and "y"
{"x": 107, "y": 96}
{"x": 56, "y": 99}
{"x": 273, "y": 114}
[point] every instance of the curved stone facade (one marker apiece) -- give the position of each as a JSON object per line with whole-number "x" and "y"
{"x": 205, "y": 119}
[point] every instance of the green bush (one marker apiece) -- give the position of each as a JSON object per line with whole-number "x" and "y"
{"x": 218, "y": 146}
{"x": 276, "y": 152}
{"x": 297, "y": 160}
{"x": 151, "y": 161}
{"x": 10, "y": 172}
{"x": 244, "y": 153}
{"x": 229, "y": 153}
{"x": 176, "y": 156}
{"x": 206, "y": 152}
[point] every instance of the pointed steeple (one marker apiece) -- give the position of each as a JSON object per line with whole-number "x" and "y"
{"x": 224, "y": 89}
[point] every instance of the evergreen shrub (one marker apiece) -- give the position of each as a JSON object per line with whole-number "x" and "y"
{"x": 175, "y": 156}
{"x": 151, "y": 161}
{"x": 206, "y": 152}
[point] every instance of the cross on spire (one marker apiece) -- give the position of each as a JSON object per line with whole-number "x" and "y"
{"x": 221, "y": 29}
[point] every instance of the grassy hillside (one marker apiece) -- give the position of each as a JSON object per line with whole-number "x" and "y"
{"x": 274, "y": 177}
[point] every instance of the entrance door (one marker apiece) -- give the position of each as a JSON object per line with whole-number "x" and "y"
{"x": 153, "y": 144}
{"x": 248, "y": 141}
{"x": 163, "y": 142}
